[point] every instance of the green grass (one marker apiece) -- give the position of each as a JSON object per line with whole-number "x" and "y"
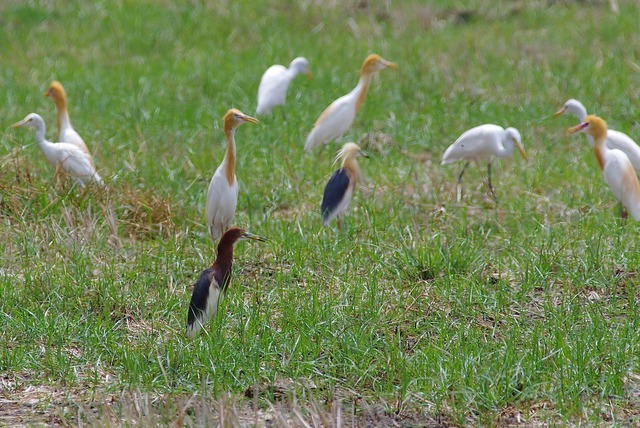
{"x": 431, "y": 308}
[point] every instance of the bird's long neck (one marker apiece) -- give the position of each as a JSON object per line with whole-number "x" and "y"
{"x": 600, "y": 147}
{"x": 224, "y": 264}
{"x": 40, "y": 133}
{"x": 47, "y": 147}
{"x": 291, "y": 73}
{"x": 351, "y": 165}
{"x": 362, "y": 88}
{"x": 63, "y": 113}
{"x": 579, "y": 110}
{"x": 506, "y": 148}
{"x": 230, "y": 155}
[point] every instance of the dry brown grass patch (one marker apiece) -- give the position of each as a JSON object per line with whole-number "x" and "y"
{"x": 143, "y": 213}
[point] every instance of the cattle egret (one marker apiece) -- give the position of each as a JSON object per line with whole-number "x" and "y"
{"x": 483, "y": 142}
{"x": 339, "y": 190}
{"x": 615, "y": 139}
{"x": 275, "y": 81}
{"x": 222, "y": 196}
{"x": 616, "y": 167}
{"x": 66, "y": 133}
{"x": 213, "y": 281}
{"x": 336, "y": 119}
{"x": 64, "y": 157}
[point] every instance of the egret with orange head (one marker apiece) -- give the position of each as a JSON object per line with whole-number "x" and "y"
{"x": 66, "y": 133}
{"x": 339, "y": 190}
{"x": 222, "y": 196}
{"x": 336, "y": 119}
{"x": 615, "y": 139}
{"x": 616, "y": 167}
{"x": 213, "y": 281}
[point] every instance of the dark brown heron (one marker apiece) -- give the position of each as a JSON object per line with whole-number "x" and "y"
{"x": 213, "y": 281}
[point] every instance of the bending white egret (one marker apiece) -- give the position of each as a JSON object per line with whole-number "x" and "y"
{"x": 484, "y": 142}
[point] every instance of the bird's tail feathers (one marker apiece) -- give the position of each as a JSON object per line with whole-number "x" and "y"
{"x": 194, "y": 323}
{"x": 311, "y": 142}
{"x": 326, "y": 217}
{"x": 193, "y": 329}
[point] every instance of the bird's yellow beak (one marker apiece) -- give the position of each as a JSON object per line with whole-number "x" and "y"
{"x": 559, "y": 112}
{"x": 47, "y": 93}
{"x": 389, "y": 64}
{"x": 248, "y": 235}
{"x": 521, "y": 149}
{"x": 18, "y": 124}
{"x": 577, "y": 128}
{"x": 250, "y": 119}
{"x": 309, "y": 75}
{"x": 364, "y": 154}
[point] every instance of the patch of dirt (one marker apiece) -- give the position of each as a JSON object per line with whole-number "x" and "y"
{"x": 23, "y": 405}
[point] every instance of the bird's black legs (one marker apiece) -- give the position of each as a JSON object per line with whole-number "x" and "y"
{"x": 493, "y": 194}
{"x": 459, "y": 185}
{"x": 284, "y": 115}
{"x": 462, "y": 172}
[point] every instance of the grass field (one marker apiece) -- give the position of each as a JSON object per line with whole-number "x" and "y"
{"x": 421, "y": 311}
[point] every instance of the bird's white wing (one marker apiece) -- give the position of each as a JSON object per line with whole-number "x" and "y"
{"x": 73, "y": 160}
{"x": 222, "y": 200}
{"x": 273, "y": 89}
{"x": 204, "y": 302}
{"x": 622, "y": 180}
{"x": 475, "y": 143}
{"x": 621, "y": 141}
{"x": 334, "y": 121}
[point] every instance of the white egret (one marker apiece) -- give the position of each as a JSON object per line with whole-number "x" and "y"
{"x": 275, "y": 81}
{"x": 222, "y": 196}
{"x": 336, "y": 119}
{"x": 484, "y": 142}
{"x": 64, "y": 157}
